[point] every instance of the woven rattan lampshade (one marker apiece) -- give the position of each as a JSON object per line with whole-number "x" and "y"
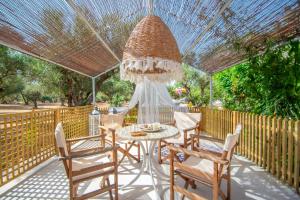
{"x": 151, "y": 51}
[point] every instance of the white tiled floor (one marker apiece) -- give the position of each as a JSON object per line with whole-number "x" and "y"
{"x": 248, "y": 182}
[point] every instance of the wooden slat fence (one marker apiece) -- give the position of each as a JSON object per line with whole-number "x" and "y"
{"x": 27, "y": 139}
{"x": 271, "y": 142}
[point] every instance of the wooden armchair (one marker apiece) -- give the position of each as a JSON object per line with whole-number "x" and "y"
{"x": 109, "y": 123}
{"x": 187, "y": 124}
{"x": 213, "y": 146}
{"x": 87, "y": 164}
{"x": 209, "y": 168}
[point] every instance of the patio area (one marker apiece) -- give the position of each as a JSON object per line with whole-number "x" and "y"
{"x": 50, "y": 182}
{"x": 151, "y": 45}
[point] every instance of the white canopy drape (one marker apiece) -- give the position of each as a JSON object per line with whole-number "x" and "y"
{"x": 154, "y": 102}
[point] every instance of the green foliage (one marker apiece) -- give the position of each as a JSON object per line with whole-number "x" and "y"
{"x": 117, "y": 100}
{"x": 102, "y": 97}
{"x": 267, "y": 84}
{"x": 196, "y": 85}
{"x": 116, "y": 91}
{"x": 46, "y": 98}
{"x": 11, "y": 66}
{"x": 32, "y": 94}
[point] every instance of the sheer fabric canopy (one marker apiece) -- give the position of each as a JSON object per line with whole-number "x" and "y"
{"x": 153, "y": 100}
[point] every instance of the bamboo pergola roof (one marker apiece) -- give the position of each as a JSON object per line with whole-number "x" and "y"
{"x": 88, "y": 36}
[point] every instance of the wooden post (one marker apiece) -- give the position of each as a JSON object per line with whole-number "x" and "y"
{"x": 256, "y": 133}
{"x": 249, "y": 136}
{"x": 269, "y": 144}
{"x": 297, "y": 156}
{"x": 171, "y": 175}
{"x": 284, "y": 149}
{"x": 253, "y": 121}
{"x": 273, "y": 169}
{"x": 56, "y": 121}
{"x": 278, "y": 155}
{"x": 290, "y": 145}
{"x": 264, "y": 142}
{"x": 215, "y": 182}
{"x": 260, "y": 141}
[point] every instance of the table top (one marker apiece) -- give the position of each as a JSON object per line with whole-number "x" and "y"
{"x": 166, "y": 132}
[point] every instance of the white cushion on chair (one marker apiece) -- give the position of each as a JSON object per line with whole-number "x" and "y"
{"x": 230, "y": 141}
{"x": 184, "y": 121}
{"x": 238, "y": 129}
{"x": 60, "y": 138}
{"x": 81, "y": 163}
{"x": 203, "y": 165}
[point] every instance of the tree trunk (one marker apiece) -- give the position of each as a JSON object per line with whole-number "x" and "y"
{"x": 70, "y": 103}
{"x": 25, "y": 99}
{"x": 35, "y": 103}
{"x": 62, "y": 102}
{"x": 202, "y": 91}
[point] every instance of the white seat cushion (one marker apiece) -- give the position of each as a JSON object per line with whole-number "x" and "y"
{"x": 203, "y": 165}
{"x": 81, "y": 163}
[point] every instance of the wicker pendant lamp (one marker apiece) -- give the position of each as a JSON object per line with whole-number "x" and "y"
{"x": 151, "y": 51}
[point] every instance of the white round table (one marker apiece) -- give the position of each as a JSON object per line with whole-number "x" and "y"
{"x": 166, "y": 132}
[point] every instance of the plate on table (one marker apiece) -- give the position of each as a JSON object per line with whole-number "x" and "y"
{"x": 152, "y": 130}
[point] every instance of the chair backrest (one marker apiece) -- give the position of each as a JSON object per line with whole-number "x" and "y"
{"x": 238, "y": 129}
{"x": 186, "y": 120}
{"x": 60, "y": 140}
{"x": 232, "y": 141}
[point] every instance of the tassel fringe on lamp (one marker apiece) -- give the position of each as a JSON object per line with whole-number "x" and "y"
{"x": 151, "y": 51}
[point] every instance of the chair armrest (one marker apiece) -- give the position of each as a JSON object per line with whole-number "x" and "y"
{"x": 95, "y": 151}
{"x": 85, "y": 138}
{"x": 211, "y": 157}
{"x": 190, "y": 129}
{"x": 102, "y": 127}
{"x": 208, "y": 151}
{"x": 207, "y": 138}
{"x": 106, "y": 129}
{"x": 87, "y": 150}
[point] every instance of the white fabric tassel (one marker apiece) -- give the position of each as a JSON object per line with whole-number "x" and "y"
{"x": 129, "y": 69}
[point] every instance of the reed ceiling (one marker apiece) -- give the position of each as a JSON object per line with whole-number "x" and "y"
{"x": 88, "y": 36}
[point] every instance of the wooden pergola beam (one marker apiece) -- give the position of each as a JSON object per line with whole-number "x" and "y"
{"x": 108, "y": 70}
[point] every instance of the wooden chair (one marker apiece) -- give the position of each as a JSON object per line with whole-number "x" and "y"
{"x": 209, "y": 168}
{"x": 213, "y": 146}
{"x": 187, "y": 123}
{"x": 87, "y": 164}
{"x": 109, "y": 123}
